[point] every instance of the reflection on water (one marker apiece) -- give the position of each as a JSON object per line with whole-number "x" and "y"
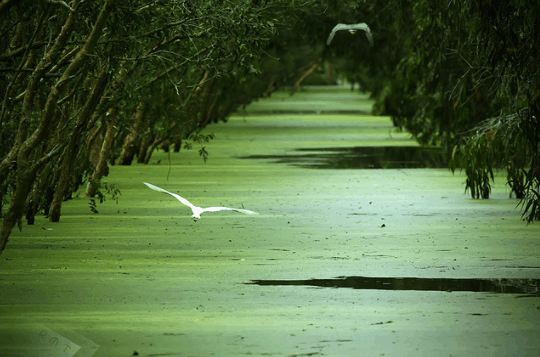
{"x": 363, "y": 157}
{"x": 506, "y": 286}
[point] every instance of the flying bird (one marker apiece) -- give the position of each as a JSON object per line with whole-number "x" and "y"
{"x": 197, "y": 211}
{"x": 352, "y": 29}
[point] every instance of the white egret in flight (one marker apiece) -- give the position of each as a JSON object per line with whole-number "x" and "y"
{"x": 197, "y": 211}
{"x": 352, "y": 29}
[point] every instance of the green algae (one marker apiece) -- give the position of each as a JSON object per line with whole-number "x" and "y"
{"x": 142, "y": 277}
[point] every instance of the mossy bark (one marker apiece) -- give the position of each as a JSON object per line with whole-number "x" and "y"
{"x": 130, "y": 143}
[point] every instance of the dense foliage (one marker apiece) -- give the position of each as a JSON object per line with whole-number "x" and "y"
{"x": 461, "y": 75}
{"x": 89, "y": 83}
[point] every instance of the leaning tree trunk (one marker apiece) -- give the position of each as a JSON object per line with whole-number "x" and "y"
{"x": 29, "y": 96}
{"x": 35, "y": 199}
{"x": 71, "y": 149}
{"x": 26, "y": 168}
{"x": 271, "y": 87}
{"x": 309, "y": 71}
{"x": 102, "y": 169}
{"x": 157, "y": 141}
{"x": 145, "y": 144}
{"x": 15, "y": 210}
{"x": 129, "y": 148}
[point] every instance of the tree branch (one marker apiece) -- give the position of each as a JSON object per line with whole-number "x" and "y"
{"x": 63, "y": 3}
{"x": 313, "y": 67}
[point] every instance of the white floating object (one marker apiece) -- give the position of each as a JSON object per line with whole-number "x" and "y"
{"x": 351, "y": 28}
{"x": 197, "y": 211}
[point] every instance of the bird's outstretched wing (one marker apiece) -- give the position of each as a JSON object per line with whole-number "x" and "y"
{"x": 364, "y": 27}
{"x": 334, "y": 30}
{"x": 353, "y": 27}
{"x": 179, "y": 198}
{"x": 215, "y": 209}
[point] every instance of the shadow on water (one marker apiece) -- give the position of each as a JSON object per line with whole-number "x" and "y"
{"x": 363, "y": 157}
{"x": 506, "y": 286}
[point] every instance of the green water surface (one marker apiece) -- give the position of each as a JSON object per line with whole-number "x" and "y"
{"x": 142, "y": 278}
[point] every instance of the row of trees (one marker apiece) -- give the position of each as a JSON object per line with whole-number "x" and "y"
{"x": 89, "y": 83}
{"x": 461, "y": 75}
{"x": 85, "y": 84}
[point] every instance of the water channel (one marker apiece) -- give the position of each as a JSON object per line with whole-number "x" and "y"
{"x": 365, "y": 244}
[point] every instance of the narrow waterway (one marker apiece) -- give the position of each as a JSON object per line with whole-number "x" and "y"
{"x": 365, "y": 245}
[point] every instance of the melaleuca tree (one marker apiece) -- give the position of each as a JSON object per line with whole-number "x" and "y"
{"x": 41, "y": 123}
{"x": 455, "y": 74}
{"x": 74, "y": 76}
{"x": 508, "y": 35}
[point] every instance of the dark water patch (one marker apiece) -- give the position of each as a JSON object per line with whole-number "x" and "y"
{"x": 505, "y": 286}
{"x": 363, "y": 157}
{"x": 382, "y": 323}
{"x": 301, "y": 112}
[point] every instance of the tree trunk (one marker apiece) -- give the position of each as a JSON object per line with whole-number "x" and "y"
{"x": 146, "y": 141}
{"x": 36, "y": 199}
{"x": 309, "y": 71}
{"x": 31, "y": 204}
{"x": 271, "y": 87}
{"x": 152, "y": 148}
{"x": 72, "y": 149}
{"x": 210, "y": 109}
{"x": 129, "y": 147}
{"x": 25, "y": 177}
{"x": 30, "y": 93}
{"x": 15, "y": 210}
{"x": 26, "y": 171}
{"x": 177, "y": 145}
{"x": 102, "y": 169}
{"x": 331, "y": 73}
